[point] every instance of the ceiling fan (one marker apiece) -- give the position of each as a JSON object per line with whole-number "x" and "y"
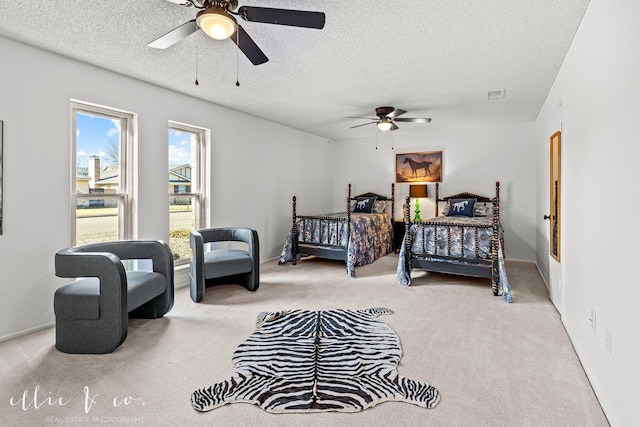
{"x": 387, "y": 118}
{"x": 216, "y": 19}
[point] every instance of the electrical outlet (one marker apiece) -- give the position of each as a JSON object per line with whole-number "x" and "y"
{"x": 607, "y": 340}
{"x": 592, "y": 319}
{"x": 560, "y": 284}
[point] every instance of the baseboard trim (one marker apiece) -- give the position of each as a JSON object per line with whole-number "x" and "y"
{"x": 27, "y": 331}
{"x": 599, "y": 395}
{"x": 542, "y": 277}
{"x": 181, "y": 276}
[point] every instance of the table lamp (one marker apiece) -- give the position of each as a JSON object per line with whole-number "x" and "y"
{"x": 416, "y": 192}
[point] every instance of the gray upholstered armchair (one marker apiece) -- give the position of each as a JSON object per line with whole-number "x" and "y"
{"x": 218, "y": 266}
{"x": 92, "y": 312}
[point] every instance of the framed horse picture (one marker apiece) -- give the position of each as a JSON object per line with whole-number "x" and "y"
{"x": 419, "y": 167}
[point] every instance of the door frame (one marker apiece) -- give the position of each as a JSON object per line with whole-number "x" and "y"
{"x": 555, "y": 267}
{"x": 555, "y": 195}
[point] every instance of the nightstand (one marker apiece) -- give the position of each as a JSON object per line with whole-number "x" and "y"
{"x": 398, "y": 234}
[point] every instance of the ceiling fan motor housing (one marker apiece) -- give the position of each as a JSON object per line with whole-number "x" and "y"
{"x": 383, "y": 111}
{"x": 225, "y": 4}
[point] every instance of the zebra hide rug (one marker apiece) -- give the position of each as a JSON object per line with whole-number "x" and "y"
{"x": 313, "y": 361}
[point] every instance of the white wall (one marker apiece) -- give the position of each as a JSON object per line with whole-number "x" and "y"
{"x": 474, "y": 158}
{"x": 257, "y": 166}
{"x": 600, "y": 148}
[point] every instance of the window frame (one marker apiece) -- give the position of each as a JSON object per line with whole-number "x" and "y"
{"x": 199, "y": 186}
{"x": 125, "y": 194}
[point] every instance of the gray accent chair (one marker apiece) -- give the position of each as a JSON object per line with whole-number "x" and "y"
{"x": 92, "y": 312}
{"x": 223, "y": 266}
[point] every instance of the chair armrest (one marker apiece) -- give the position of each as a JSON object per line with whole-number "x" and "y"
{"x": 110, "y": 272}
{"x": 254, "y": 246}
{"x": 196, "y": 241}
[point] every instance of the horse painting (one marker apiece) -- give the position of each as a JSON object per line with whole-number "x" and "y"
{"x": 419, "y": 167}
{"x": 416, "y": 166}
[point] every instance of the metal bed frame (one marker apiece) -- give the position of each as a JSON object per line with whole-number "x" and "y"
{"x": 466, "y": 266}
{"x": 332, "y": 250}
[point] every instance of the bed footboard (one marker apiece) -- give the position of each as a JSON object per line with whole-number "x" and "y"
{"x": 338, "y": 229}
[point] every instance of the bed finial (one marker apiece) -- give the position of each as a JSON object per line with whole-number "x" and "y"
{"x": 393, "y": 201}
{"x": 294, "y": 227}
{"x": 496, "y": 203}
{"x": 293, "y": 205}
{"x": 437, "y": 196}
{"x": 407, "y": 211}
{"x": 294, "y": 232}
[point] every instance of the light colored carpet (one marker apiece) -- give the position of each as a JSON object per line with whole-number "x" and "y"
{"x": 495, "y": 364}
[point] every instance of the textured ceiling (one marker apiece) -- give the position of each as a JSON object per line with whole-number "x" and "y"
{"x": 433, "y": 58}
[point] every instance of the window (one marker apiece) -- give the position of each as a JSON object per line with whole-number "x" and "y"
{"x": 186, "y": 187}
{"x": 101, "y": 188}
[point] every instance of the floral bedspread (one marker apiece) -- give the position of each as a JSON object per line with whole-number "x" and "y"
{"x": 430, "y": 240}
{"x": 371, "y": 237}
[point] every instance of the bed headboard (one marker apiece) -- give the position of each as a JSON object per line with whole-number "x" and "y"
{"x": 377, "y": 196}
{"x": 466, "y": 195}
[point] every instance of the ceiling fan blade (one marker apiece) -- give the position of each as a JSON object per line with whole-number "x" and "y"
{"x": 368, "y": 118}
{"x": 393, "y": 126}
{"x": 294, "y": 18}
{"x": 413, "y": 120}
{"x": 395, "y": 113}
{"x": 249, "y": 47}
{"x": 175, "y": 35}
{"x": 357, "y": 126}
{"x": 181, "y": 2}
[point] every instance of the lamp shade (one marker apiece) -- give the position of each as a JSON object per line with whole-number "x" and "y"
{"x": 216, "y": 22}
{"x": 418, "y": 191}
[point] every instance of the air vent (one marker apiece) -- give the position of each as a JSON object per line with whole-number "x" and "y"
{"x": 496, "y": 94}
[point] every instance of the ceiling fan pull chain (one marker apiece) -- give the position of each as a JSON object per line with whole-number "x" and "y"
{"x": 197, "y": 66}
{"x": 237, "y": 59}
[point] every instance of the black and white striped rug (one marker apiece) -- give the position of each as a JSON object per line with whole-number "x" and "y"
{"x": 313, "y": 361}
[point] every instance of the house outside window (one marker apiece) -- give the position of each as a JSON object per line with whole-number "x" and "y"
{"x": 101, "y": 187}
{"x": 178, "y": 189}
{"x": 186, "y": 186}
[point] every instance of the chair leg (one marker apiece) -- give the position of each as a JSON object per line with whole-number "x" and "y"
{"x": 195, "y": 296}
{"x": 250, "y": 282}
{"x": 197, "y": 292}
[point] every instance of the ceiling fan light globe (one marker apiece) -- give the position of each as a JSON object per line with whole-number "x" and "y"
{"x": 384, "y": 125}
{"x": 216, "y": 23}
